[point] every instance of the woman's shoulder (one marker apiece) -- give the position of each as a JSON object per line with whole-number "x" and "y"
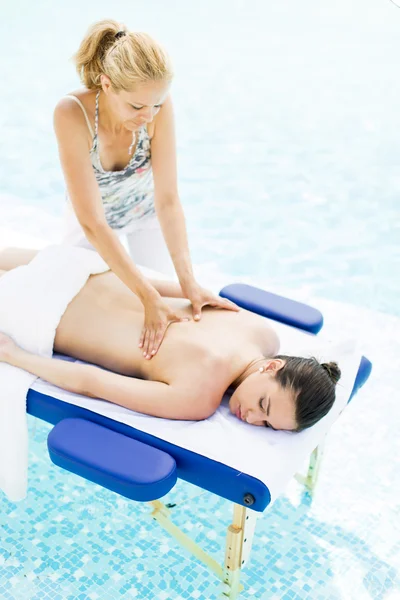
{"x": 259, "y": 331}
{"x": 68, "y": 104}
{"x": 68, "y": 110}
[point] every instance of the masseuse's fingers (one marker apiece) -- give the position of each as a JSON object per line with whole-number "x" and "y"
{"x": 200, "y": 297}
{"x": 154, "y": 335}
{"x": 158, "y": 338}
{"x": 145, "y": 340}
{"x": 225, "y": 303}
{"x": 176, "y": 317}
{"x": 158, "y": 317}
{"x": 161, "y": 330}
{"x": 142, "y": 336}
{"x": 196, "y": 310}
{"x": 155, "y": 320}
{"x": 152, "y": 341}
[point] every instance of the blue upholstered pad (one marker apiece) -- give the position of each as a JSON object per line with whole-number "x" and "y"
{"x": 114, "y": 461}
{"x": 274, "y": 307}
{"x": 364, "y": 371}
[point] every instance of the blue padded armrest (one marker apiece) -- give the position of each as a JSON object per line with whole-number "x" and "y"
{"x": 364, "y": 371}
{"x": 274, "y": 307}
{"x": 117, "y": 462}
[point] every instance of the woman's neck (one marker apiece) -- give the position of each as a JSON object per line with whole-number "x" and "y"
{"x": 108, "y": 118}
{"x": 249, "y": 369}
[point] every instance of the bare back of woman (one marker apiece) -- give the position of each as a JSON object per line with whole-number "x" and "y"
{"x": 102, "y": 322}
{"x": 200, "y": 359}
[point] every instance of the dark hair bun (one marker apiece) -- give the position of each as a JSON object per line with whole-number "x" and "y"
{"x": 333, "y": 371}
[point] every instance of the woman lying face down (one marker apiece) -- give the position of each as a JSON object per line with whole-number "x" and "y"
{"x": 197, "y": 364}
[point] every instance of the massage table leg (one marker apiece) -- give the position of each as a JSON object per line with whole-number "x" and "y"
{"x": 238, "y": 545}
{"x": 313, "y": 469}
{"x": 310, "y": 480}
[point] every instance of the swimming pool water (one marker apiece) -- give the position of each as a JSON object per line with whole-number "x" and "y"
{"x": 288, "y": 150}
{"x": 287, "y": 131}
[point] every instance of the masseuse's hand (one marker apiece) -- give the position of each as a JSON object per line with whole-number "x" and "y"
{"x": 200, "y": 297}
{"x": 157, "y": 317}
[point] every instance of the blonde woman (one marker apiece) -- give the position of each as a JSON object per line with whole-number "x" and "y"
{"x": 117, "y": 150}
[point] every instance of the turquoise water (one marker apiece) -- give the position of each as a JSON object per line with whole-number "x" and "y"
{"x": 287, "y": 127}
{"x": 288, "y": 148}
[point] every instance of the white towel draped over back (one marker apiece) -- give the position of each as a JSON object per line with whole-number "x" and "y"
{"x": 33, "y": 299}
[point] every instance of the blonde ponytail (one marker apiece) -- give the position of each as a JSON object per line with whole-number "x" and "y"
{"x": 127, "y": 59}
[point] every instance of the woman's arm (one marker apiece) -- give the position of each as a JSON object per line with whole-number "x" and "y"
{"x": 170, "y": 213}
{"x": 167, "y": 203}
{"x": 153, "y": 398}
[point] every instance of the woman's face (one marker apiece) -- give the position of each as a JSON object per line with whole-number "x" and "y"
{"x": 260, "y": 399}
{"x": 137, "y": 108}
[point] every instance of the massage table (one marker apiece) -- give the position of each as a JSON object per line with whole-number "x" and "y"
{"x": 142, "y": 457}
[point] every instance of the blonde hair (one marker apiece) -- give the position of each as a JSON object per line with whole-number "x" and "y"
{"x": 128, "y": 59}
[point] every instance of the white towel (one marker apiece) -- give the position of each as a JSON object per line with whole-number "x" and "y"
{"x": 33, "y": 299}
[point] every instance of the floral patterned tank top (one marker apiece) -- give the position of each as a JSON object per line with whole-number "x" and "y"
{"x": 128, "y": 195}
